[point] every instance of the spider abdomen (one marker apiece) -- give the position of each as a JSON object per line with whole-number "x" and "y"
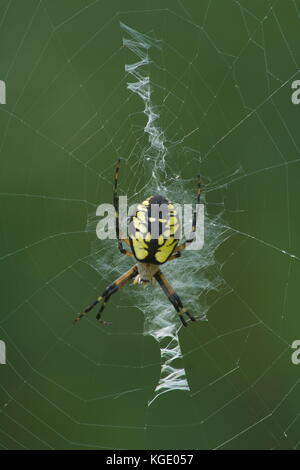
{"x": 154, "y": 230}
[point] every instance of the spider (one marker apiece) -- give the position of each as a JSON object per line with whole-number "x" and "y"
{"x": 150, "y": 252}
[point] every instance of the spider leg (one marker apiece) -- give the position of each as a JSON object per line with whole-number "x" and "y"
{"x": 175, "y": 255}
{"x": 173, "y": 298}
{"x": 111, "y": 289}
{"x": 183, "y": 245}
{"x": 116, "y": 206}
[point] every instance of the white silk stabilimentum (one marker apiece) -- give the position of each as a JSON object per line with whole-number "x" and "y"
{"x": 161, "y": 320}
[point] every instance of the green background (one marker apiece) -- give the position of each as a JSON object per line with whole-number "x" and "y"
{"x": 224, "y": 69}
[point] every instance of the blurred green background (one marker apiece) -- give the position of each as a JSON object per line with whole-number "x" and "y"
{"x": 224, "y": 70}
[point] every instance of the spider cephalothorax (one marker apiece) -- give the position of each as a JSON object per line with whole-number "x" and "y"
{"x": 153, "y": 238}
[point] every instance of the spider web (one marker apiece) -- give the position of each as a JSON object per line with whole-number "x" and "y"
{"x": 216, "y": 100}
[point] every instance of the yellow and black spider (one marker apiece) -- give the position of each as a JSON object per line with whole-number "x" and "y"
{"x": 149, "y": 251}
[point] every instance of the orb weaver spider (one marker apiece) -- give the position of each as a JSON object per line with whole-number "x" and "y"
{"x": 149, "y": 252}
